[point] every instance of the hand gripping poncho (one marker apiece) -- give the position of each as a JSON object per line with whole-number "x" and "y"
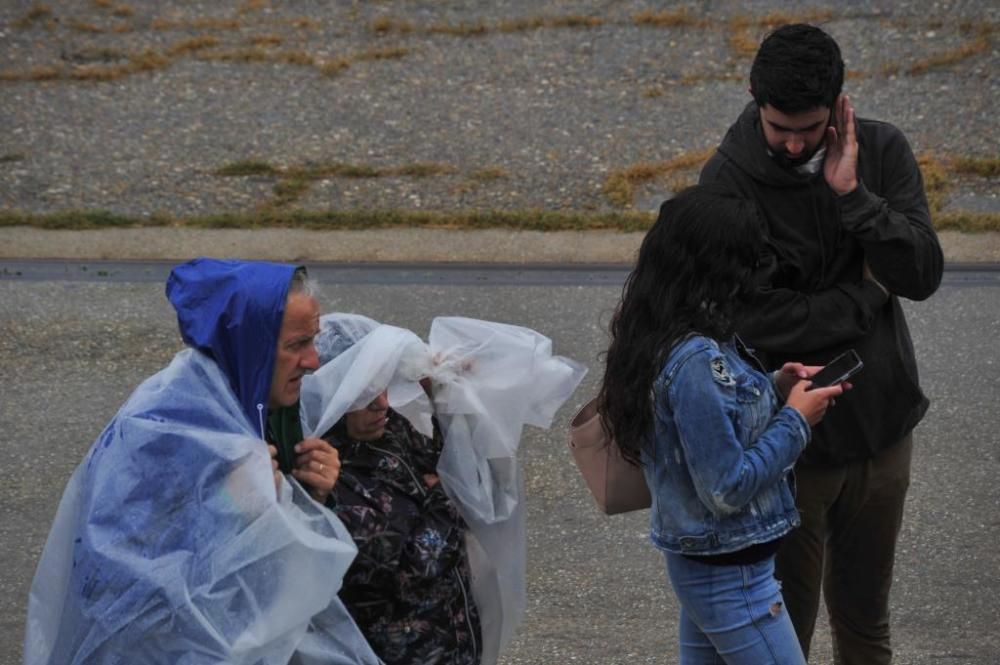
{"x": 488, "y": 381}
{"x": 170, "y": 544}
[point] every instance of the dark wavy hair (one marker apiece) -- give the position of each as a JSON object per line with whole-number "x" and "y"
{"x": 692, "y": 275}
{"x": 797, "y": 68}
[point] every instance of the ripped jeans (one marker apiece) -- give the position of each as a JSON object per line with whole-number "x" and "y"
{"x": 732, "y": 615}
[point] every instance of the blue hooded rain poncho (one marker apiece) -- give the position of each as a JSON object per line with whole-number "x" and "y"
{"x": 171, "y": 543}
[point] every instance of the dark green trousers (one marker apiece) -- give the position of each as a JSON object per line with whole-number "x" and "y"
{"x": 846, "y": 546}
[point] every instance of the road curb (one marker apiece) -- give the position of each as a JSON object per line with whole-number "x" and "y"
{"x": 379, "y": 245}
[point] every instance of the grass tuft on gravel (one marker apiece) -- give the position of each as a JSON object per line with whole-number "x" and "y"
{"x": 619, "y": 187}
{"x": 295, "y": 180}
{"x": 950, "y": 57}
{"x": 361, "y": 219}
{"x": 76, "y": 220}
{"x": 37, "y": 14}
{"x": 669, "y": 18}
{"x": 986, "y": 167}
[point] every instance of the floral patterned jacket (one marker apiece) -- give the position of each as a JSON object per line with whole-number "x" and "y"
{"x": 408, "y": 589}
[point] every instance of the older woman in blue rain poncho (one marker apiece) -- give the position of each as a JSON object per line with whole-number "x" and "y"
{"x": 174, "y": 541}
{"x": 429, "y": 486}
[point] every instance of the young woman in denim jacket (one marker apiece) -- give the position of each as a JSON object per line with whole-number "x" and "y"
{"x": 715, "y": 435}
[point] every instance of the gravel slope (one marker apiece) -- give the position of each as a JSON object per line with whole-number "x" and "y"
{"x": 519, "y": 118}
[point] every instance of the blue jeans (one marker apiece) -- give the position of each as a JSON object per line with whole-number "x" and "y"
{"x": 732, "y": 615}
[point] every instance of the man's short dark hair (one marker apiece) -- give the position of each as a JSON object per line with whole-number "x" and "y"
{"x": 797, "y": 68}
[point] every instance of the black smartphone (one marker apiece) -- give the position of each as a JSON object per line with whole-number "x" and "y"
{"x": 838, "y": 370}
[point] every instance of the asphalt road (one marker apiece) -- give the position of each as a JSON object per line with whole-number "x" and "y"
{"x": 74, "y": 345}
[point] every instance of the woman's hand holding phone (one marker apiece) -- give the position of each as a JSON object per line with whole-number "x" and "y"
{"x": 812, "y": 403}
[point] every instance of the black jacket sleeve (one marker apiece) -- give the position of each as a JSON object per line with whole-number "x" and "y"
{"x": 894, "y": 226}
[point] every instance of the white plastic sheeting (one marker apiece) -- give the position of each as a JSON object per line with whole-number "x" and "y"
{"x": 488, "y": 381}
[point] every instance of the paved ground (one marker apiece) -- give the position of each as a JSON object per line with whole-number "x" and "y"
{"x": 73, "y": 347}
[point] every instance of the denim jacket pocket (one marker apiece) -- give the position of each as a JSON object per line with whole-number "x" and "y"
{"x": 749, "y": 388}
{"x": 756, "y": 407}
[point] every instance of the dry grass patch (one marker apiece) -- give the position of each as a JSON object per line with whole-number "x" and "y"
{"x": 950, "y": 57}
{"x": 744, "y": 37}
{"x": 668, "y": 19}
{"x": 35, "y": 73}
{"x": 389, "y": 53}
{"x": 266, "y": 40}
{"x": 145, "y": 61}
{"x": 334, "y": 67}
{"x": 489, "y": 174}
{"x": 538, "y": 22}
{"x": 292, "y": 182}
{"x": 75, "y": 220}
{"x": 359, "y": 219}
{"x": 937, "y": 174}
{"x": 967, "y": 222}
{"x": 199, "y": 23}
{"x": 37, "y": 14}
{"x": 692, "y": 78}
{"x": 460, "y": 30}
{"x": 192, "y": 45}
{"x": 337, "y": 65}
{"x": 298, "y": 58}
{"x": 385, "y": 25}
{"x": 619, "y": 187}
{"x": 774, "y": 19}
{"x": 986, "y": 167}
{"x": 248, "y": 54}
{"x": 305, "y": 23}
{"x": 574, "y": 21}
{"x": 81, "y": 26}
{"x": 937, "y": 181}
{"x": 746, "y": 32}
{"x": 257, "y": 54}
{"x": 247, "y": 167}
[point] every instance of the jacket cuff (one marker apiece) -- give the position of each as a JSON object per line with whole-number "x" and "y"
{"x": 855, "y": 205}
{"x": 800, "y": 423}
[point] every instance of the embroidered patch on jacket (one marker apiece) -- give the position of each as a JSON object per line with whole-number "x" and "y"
{"x": 721, "y": 373}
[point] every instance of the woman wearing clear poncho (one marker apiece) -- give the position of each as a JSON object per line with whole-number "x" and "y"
{"x": 429, "y": 486}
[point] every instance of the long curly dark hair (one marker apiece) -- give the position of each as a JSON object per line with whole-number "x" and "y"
{"x": 692, "y": 276}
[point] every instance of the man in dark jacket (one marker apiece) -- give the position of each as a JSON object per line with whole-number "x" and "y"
{"x": 848, "y": 234}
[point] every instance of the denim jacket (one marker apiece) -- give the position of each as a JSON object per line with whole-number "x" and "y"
{"x": 719, "y": 467}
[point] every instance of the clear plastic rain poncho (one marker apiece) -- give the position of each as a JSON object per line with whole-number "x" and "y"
{"x": 171, "y": 544}
{"x": 488, "y": 381}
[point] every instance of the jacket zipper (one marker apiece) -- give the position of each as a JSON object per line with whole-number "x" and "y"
{"x": 406, "y": 466}
{"x": 468, "y": 614}
{"x": 458, "y": 576}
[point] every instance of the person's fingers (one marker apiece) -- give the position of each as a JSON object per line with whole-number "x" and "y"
{"x": 312, "y": 443}
{"x": 315, "y": 458}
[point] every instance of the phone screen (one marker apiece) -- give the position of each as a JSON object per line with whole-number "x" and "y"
{"x": 840, "y": 369}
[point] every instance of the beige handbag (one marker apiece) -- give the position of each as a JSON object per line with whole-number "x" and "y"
{"x": 617, "y": 486}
